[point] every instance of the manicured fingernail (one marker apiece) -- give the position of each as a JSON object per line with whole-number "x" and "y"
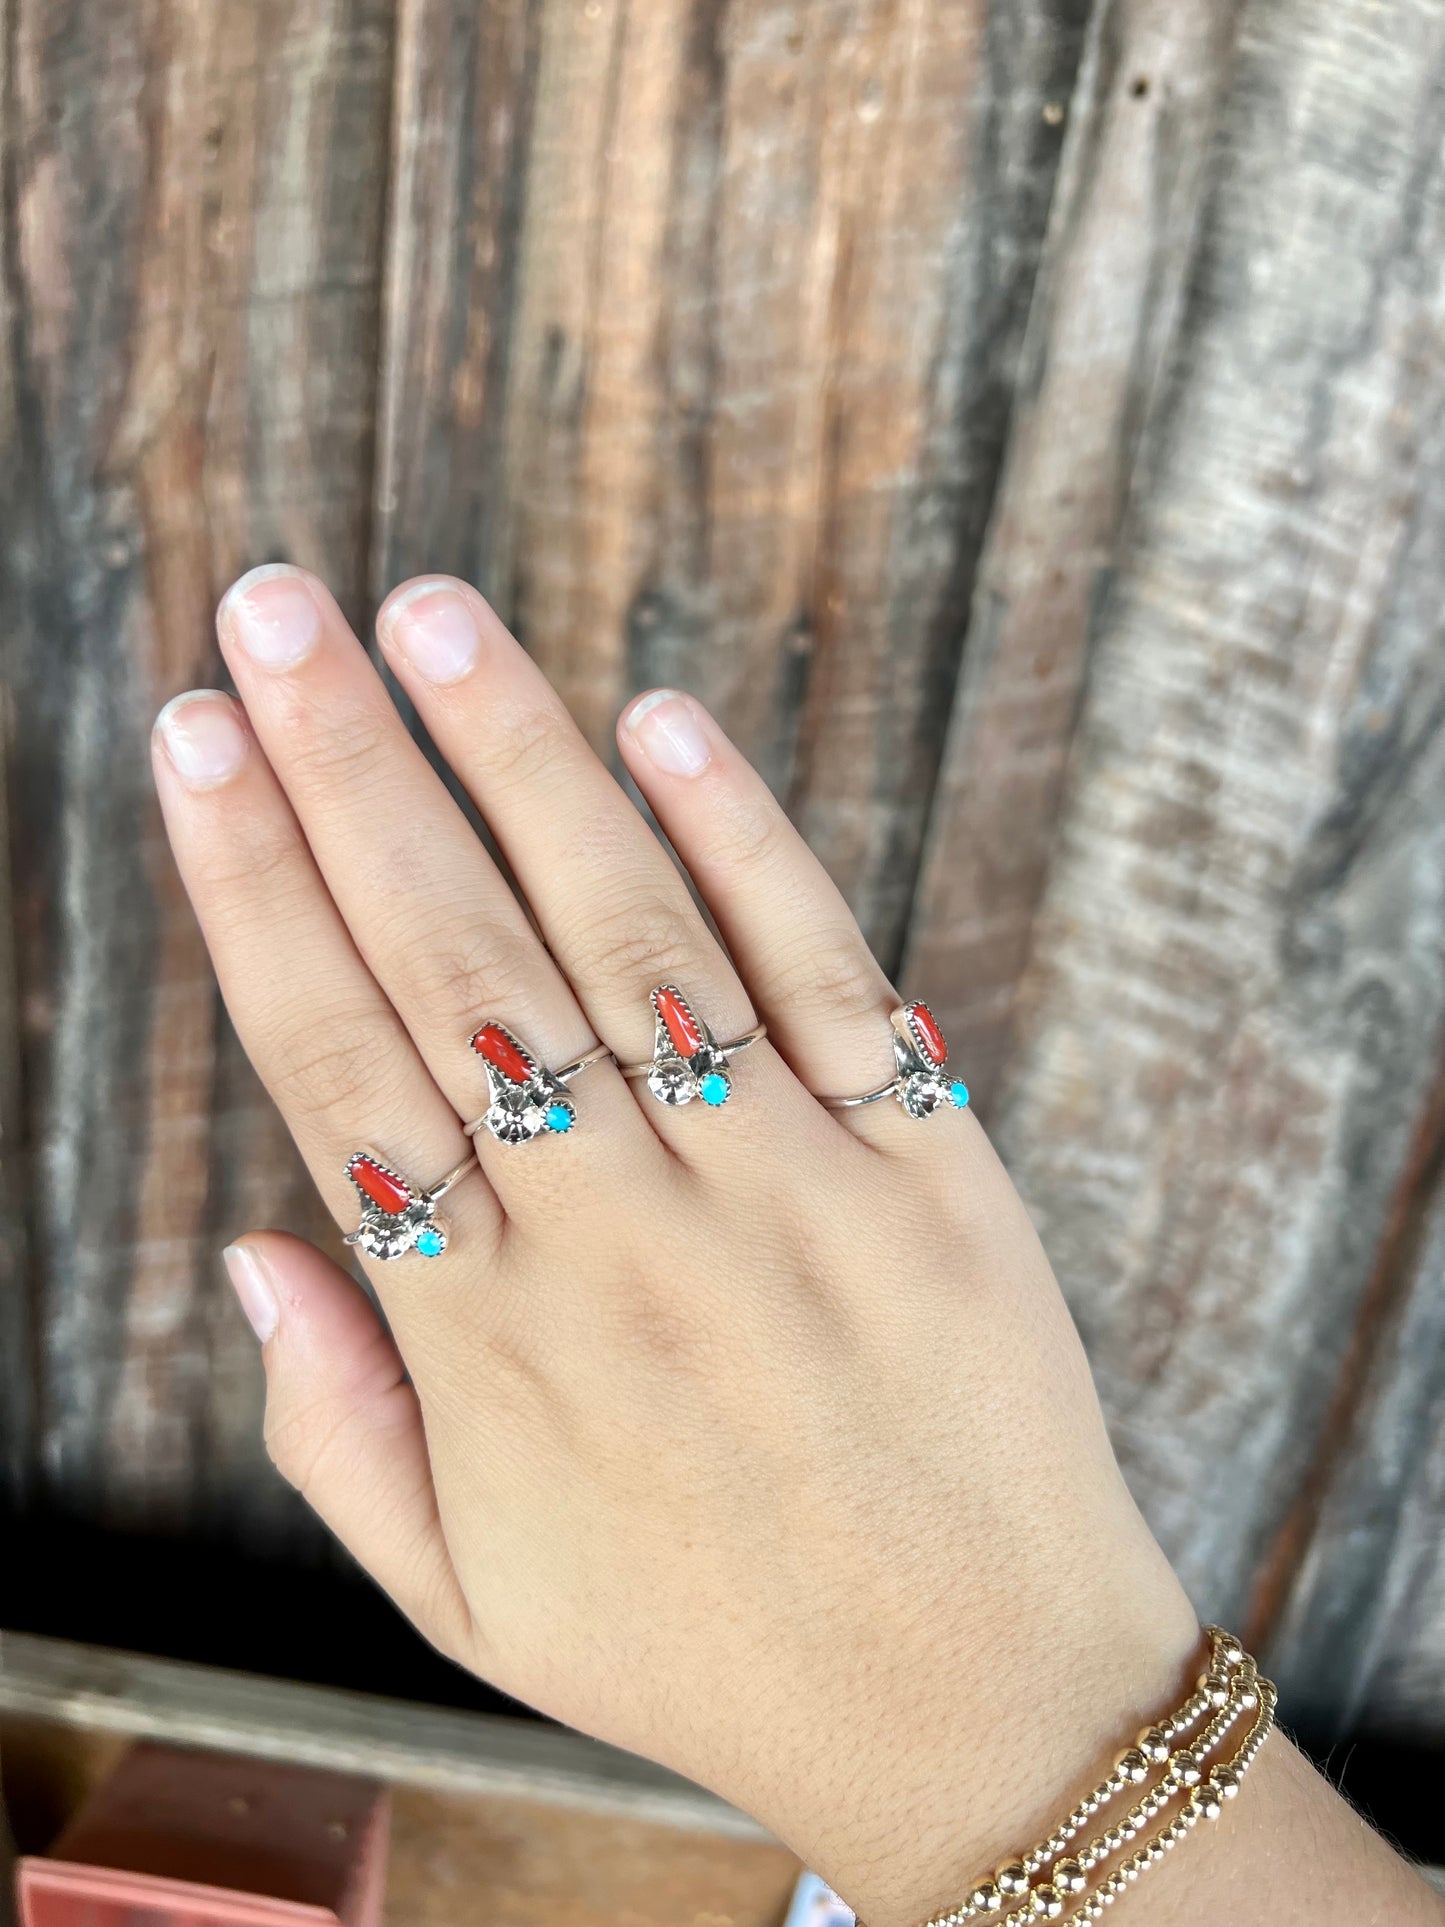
{"x": 252, "y": 1284}
{"x": 203, "y": 738}
{"x": 273, "y": 615}
{"x": 667, "y": 727}
{"x": 433, "y": 626}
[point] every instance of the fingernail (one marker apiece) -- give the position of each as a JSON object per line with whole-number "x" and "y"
{"x": 252, "y": 1285}
{"x": 666, "y": 726}
{"x": 434, "y": 628}
{"x": 203, "y": 738}
{"x": 273, "y": 615}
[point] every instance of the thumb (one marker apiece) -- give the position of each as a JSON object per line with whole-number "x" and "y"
{"x": 344, "y": 1426}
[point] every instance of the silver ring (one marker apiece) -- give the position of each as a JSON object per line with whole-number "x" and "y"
{"x": 525, "y": 1099}
{"x": 687, "y": 1060}
{"x": 921, "y": 1083}
{"x": 396, "y": 1215}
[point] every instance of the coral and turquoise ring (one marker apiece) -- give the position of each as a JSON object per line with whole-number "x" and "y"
{"x": 687, "y": 1060}
{"x": 922, "y": 1083}
{"x": 525, "y": 1099}
{"x": 396, "y": 1215}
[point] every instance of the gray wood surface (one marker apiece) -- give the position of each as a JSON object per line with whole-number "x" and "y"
{"x": 1022, "y": 423}
{"x": 405, "y": 1745}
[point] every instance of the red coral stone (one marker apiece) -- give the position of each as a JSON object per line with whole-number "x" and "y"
{"x": 493, "y": 1043}
{"x": 383, "y": 1189}
{"x": 681, "y": 1024}
{"x": 931, "y": 1037}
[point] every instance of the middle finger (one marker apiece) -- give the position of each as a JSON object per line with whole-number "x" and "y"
{"x": 428, "y": 909}
{"x": 612, "y": 906}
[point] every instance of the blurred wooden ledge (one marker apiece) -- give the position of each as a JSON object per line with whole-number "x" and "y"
{"x": 494, "y": 1821}
{"x": 137, "y": 1697}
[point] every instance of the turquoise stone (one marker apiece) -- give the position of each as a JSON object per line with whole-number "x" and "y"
{"x": 559, "y": 1118}
{"x": 430, "y": 1242}
{"x": 713, "y": 1088}
{"x": 958, "y": 1095}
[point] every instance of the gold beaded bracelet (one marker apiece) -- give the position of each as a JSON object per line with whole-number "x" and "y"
{"x": 1229, "y": 1688}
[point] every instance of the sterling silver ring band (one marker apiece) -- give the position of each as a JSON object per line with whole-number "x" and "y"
{"x": 753, "y": 1036}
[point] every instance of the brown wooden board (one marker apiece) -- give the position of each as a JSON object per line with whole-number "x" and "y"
{"x": 1229, "y": 1030}
{"x": 194, "y": 200}
{"x": 703, "y": 323}
{"x": 1062, "y": 535}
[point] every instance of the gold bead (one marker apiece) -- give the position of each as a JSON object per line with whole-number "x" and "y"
{"x": 1012, "y": 1879}
{"x": 1046, "y": 1902}
{"x": 1227, "y": 1648}
{"x": 1215, "y": 1688}
{"x": 985, "y": 1898}
{"x": 1153, "y": 1745}
{"x": 1225, "y": 1782}
{"x": 1207, "y": 1798}
{"x": 1133, "y": 1763}
{"x": 1067, "y": 1876}
{"x": 1184, "y": 1768}
{"x": 1111, "y": 1839}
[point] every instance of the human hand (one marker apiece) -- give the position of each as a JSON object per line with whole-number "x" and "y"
{"x": 756, "y": 1439}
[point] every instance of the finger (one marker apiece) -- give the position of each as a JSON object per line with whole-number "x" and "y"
{"x": 611, "y": 905}
{"x": 344, "y": 1426}
{"x": 798, "y": 946}
{"x": 323, "y": 1038}
{"x": 429, "y": 911}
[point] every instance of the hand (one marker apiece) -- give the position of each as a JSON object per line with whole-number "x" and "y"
{"x": 754, "y": 1439}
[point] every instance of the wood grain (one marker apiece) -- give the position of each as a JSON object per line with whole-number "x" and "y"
{"x": 460, "y": 1859}
{"x": 89, "y": 1688}
{"x": 190, "y": 364}
{"x": 1359, "y": 1642}
{"x": 702, "y": 328}
{"x": 1232, "y": 1016}
{"x": 1104, "y": 320}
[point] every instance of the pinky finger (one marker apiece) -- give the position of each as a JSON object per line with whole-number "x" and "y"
{"x": 344, "y": 1426}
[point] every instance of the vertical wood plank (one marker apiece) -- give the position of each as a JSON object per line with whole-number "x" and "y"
{"x": 1231, "y": 1023}
{"x": 193, "y": 215}
{"x": 699, "y": 357}
{"x": 1104, "y": 316}
{"x": 1358, "y": 1638}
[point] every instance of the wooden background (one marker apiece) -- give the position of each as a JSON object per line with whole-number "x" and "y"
{"x": 1022, "y": 420}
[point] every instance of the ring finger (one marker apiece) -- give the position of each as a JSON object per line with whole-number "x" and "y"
{"x": 612, "y": 906}
{"x": 430, "y": 913}
{"x": 326, "y": 1042}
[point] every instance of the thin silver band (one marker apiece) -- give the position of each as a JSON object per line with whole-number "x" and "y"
{"x": 454, "y": 1176}
{"x": 890, "y": 1089}
{"x": 564, "y": 1076}
{"x": 749, "y": 1037}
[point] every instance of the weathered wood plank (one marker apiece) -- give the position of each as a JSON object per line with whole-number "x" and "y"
{"x": 1104, "y": 317}
{"x": 193, "y": 208}
{"x": 86, "y": 1686}
{"x": 1360, "y": 1635}
{"x": 702, "y": 330}
{"x": 1231, "y": 1023}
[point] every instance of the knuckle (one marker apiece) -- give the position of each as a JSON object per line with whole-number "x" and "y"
{"x": 664, "y": 1339}
{"x": 531, "y": 749}
{"x": 744, "y": 837}
{"x": 348, "y": 1062}
{"x": 302, "y": 1441}
{"x": 836, "y": 972}
{"x": 269, "y": 861}
{"x": 464, "y": 970}
{"x": 636, "y": 941}
{"x": 329, "y": 753}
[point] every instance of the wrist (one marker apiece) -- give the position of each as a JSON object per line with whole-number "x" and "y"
{"x": 1000, "y": 1735}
